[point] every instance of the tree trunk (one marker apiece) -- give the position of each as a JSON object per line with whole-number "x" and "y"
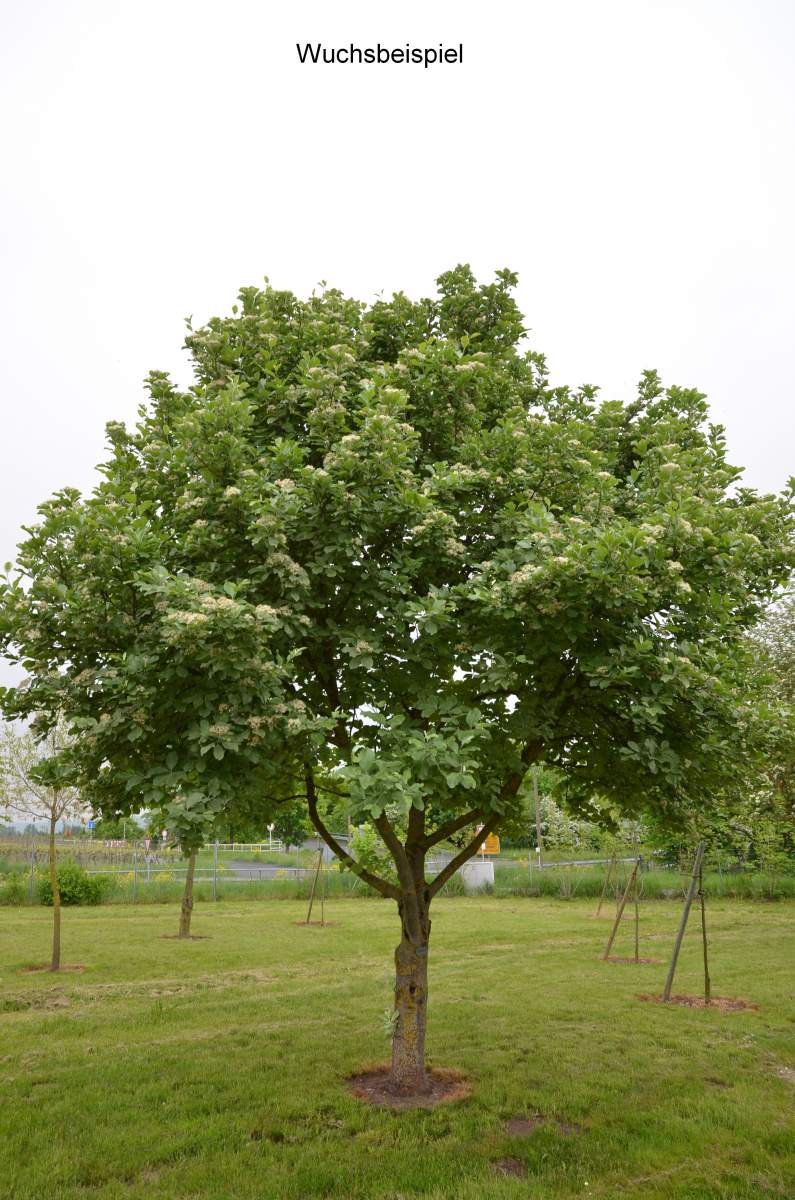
{"x": 187, "y": 898}
{"x": 55, "y": 964}
{"x": 411, "y": 997}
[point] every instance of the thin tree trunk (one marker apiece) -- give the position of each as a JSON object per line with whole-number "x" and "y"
{"x": 537, "y": 804}
{"x": 411, "y": 997}
{"x": 187, "y": 898}
{"x": 707, "y": 983}
{"x": 55, "y": 965}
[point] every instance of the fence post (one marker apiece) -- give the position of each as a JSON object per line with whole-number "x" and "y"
{"x": 691, "y": 891}
{"x": 135, "y": 873}
{"x": 215, "y": 871}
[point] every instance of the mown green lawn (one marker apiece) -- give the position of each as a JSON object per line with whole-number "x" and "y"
{"x": 215, "y": 1069}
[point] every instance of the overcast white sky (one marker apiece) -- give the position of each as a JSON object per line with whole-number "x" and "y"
{"x": 631, "y": 160}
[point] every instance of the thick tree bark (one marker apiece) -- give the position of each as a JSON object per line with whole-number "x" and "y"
{"x": 411, "y": 997}
{"x": 55, "y": 964}
{"x": 187, "y": 898}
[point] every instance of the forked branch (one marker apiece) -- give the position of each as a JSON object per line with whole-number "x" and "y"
{"x": 465, "y": 854}
{"x": 381, "y": 885}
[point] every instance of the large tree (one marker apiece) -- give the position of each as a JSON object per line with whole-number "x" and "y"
{"x": 375, "y": 542}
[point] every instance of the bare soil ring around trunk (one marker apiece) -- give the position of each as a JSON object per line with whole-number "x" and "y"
{"x": 720, "y": 1003}
{"x": 374, "y": 1085}
{"x": 614, "y": 958}
{"x": 41, "y": 968}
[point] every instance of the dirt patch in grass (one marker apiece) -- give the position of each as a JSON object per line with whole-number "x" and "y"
{"x": 509, "y": 1166}
{"x": 787, "y": 1073}
{"x": 191, "y": 937}
{"x": 50, "y": 999}
{"x": 40, "y": 967}
{"x": 521, "y": 1126}
{"x": 721, "y": 1003}
{"x": 374, "y": 1084}
{"x": 569, "y": 1127}
{"x": 617, "y": 959}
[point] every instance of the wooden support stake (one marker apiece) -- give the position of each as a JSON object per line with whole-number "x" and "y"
{"x": 314, "y": 885}
{"x": 691, "y": 891}
{"x": 620, "y": 912}
{"x": 610, "y": 866}
{"x": 707, "y": 984}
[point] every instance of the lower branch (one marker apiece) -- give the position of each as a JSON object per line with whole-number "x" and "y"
{"x": 464, "y": 856}
{"x": 381, "y": 885}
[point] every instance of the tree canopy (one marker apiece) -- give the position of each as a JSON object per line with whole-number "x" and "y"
{"x": 378, "y": 531}
{"x": 373, "y": 549}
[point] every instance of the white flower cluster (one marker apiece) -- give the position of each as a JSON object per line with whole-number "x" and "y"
{"x": 524, "y": 575}
{"x": 231, "y": 492}
{"x": 266, "y": 610}
{"x": 283, "y": 562}
{"x": 219, "y": 603}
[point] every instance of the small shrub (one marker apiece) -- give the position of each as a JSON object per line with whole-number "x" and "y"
{"x": 76, "y": 885}
{"x": 13, "y": 889}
